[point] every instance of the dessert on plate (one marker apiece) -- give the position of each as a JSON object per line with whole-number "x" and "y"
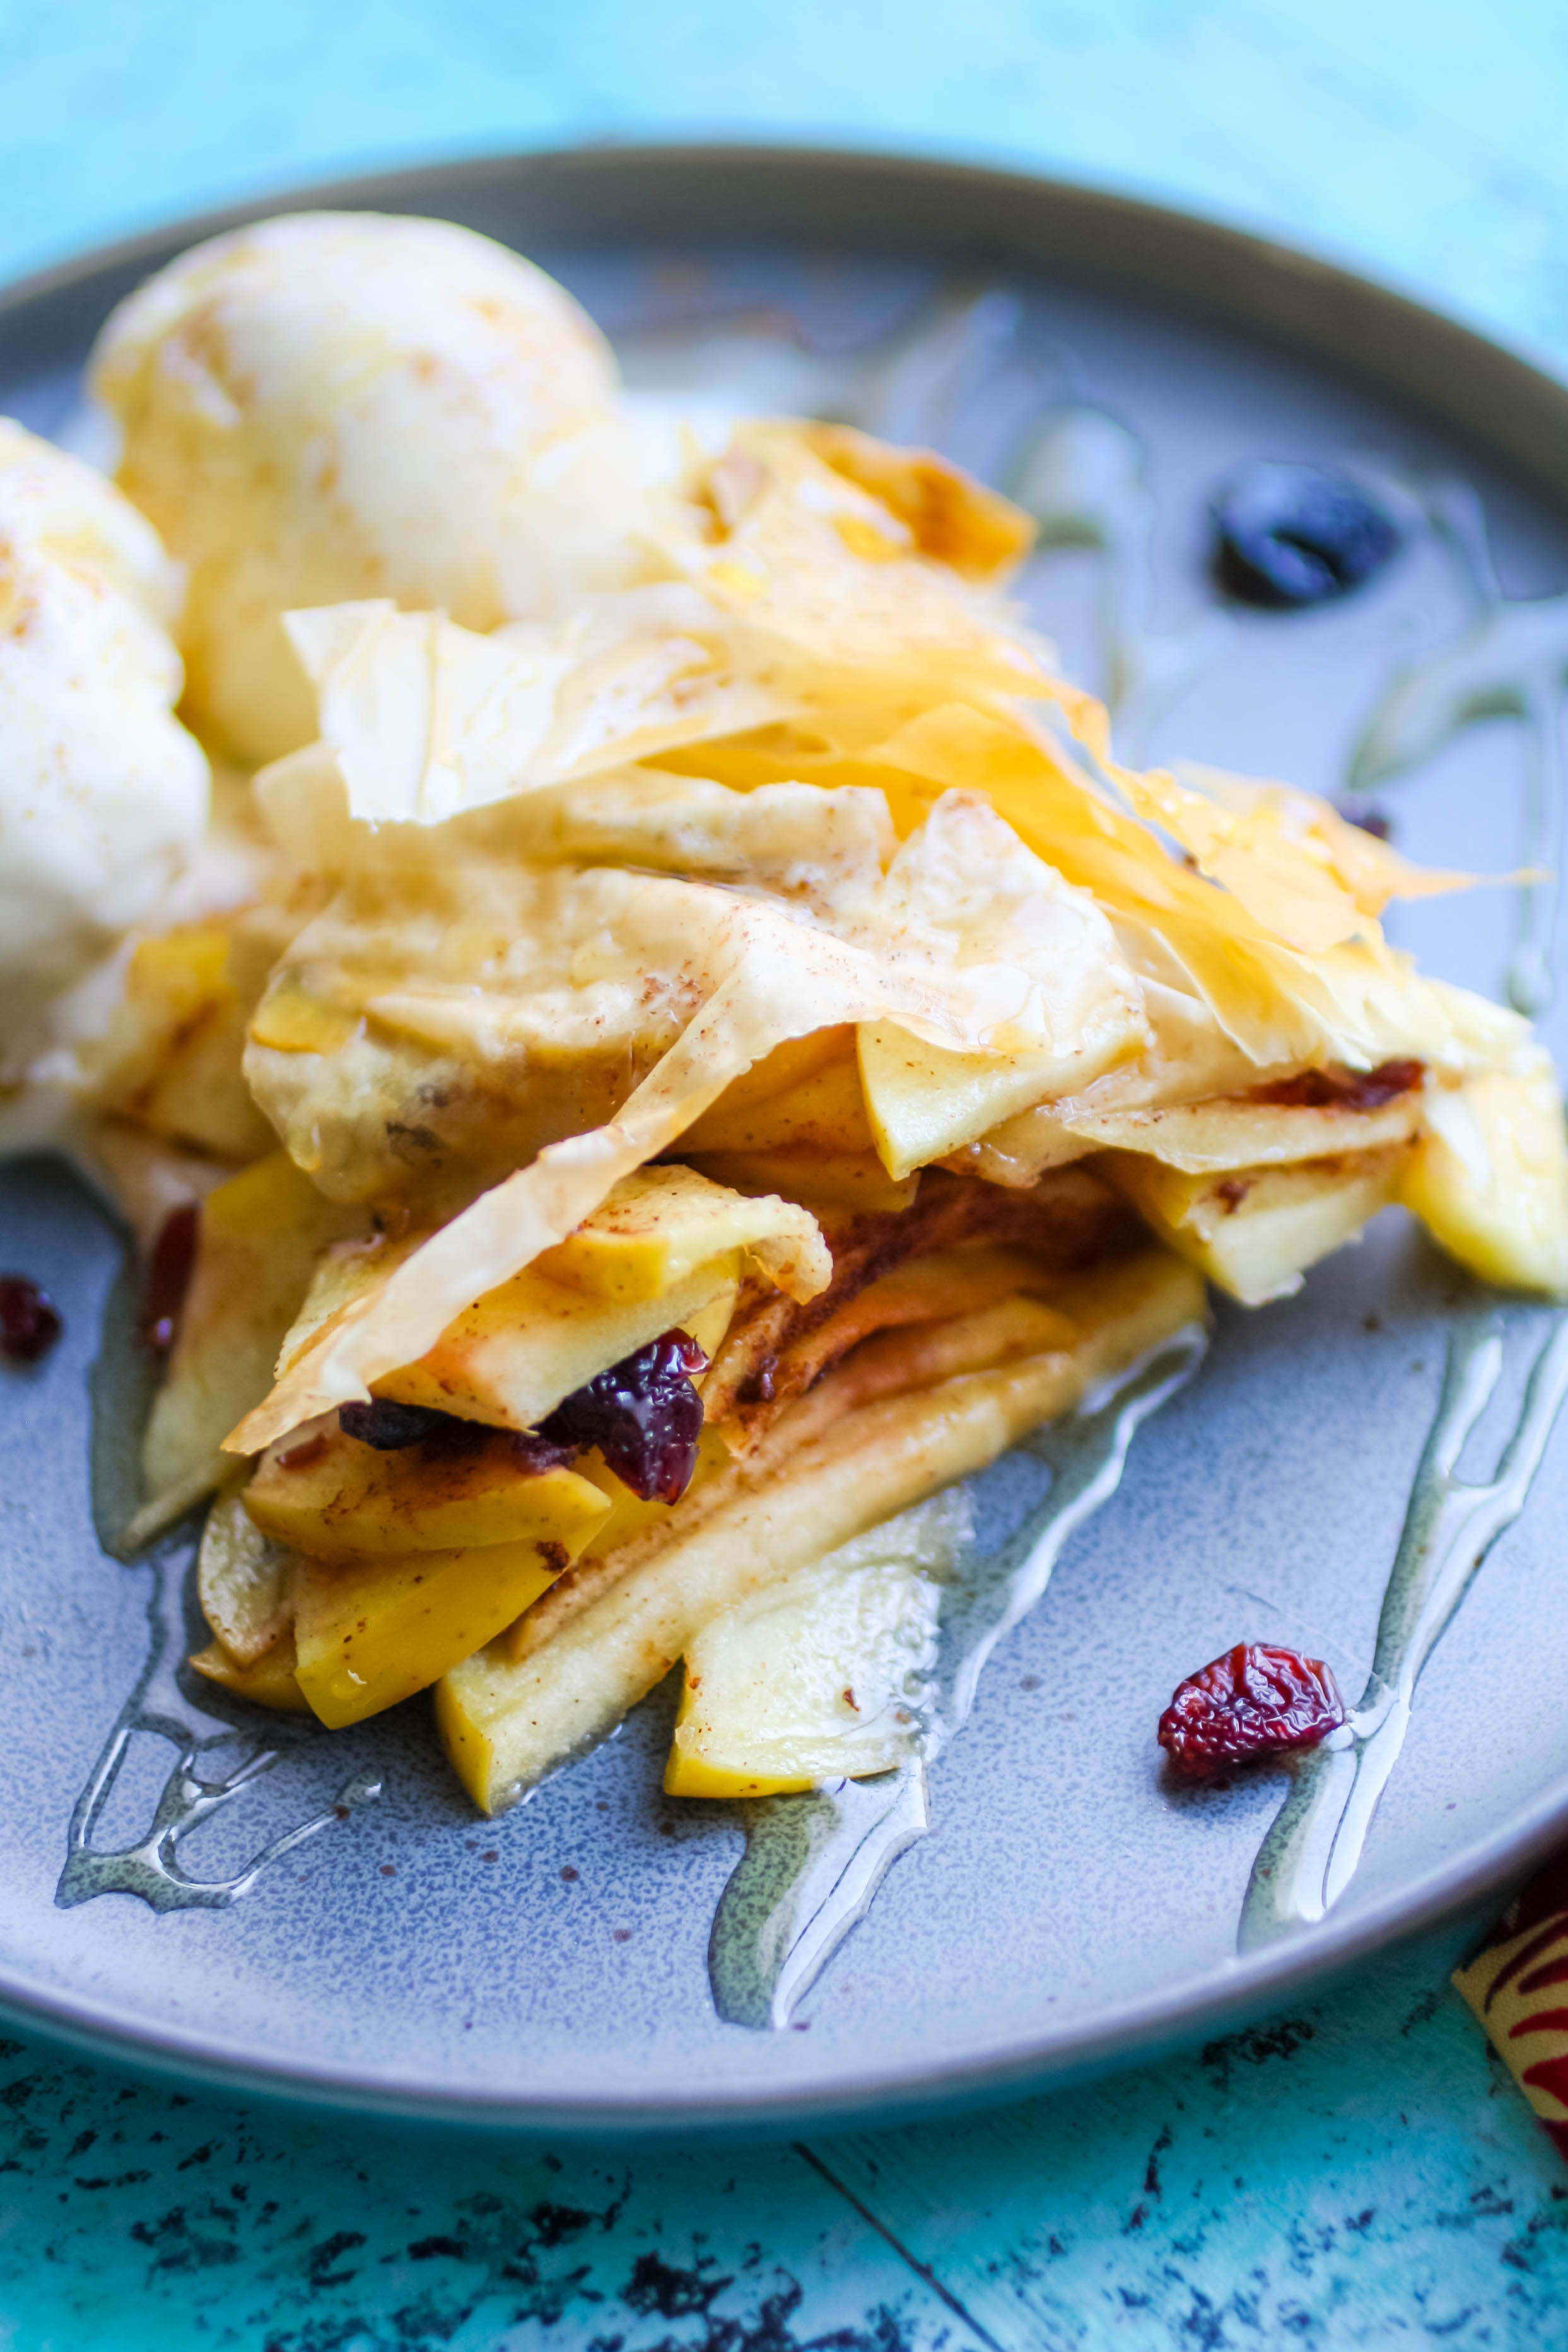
{"x": 641, "y": 1030}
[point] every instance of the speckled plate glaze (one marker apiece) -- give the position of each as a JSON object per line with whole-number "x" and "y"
{"x": 1068, "y": 1908}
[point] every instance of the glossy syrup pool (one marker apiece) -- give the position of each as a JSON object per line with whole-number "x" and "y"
{"x": 561, "y": 1956}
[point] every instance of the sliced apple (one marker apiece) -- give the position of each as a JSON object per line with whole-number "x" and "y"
{"x": 268, "y": 1681}
{"x": 262, "y": 1233}
{"x": 1219, "y": 1138}
{"x": 665, "y": 1252}
{"x": 369, "y": 1635}
{"x": 926, "y": 1102}
{"x": 324, "y": 1494}
{"x": 630, "y": 1515}
{"x": 823, "y": 1109}
{"x": 1254, "y": 1232}
{"x": 821, "y": 1677}
{"x": 171, "y": 1057}
{"x": 662, "y": 1226}
{"x": 776, "y": 1075}
{"x": 818, "y": 1180}
{"x": 1489, "y": 1179}
{"x": 810, "y": 1140}
{"x": 244, "y": 1580}
{"x": 512, "y": 1356}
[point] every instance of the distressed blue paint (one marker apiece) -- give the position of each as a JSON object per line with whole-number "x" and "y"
{"x": 1363, "y": 2174}
{"x": 1358, "y": 2169}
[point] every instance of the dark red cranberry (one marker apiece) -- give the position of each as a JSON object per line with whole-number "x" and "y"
{"x": 29, "y": 1320}
{"x": 389, "y": 1427}
{"x": 642, "y": 1415}
{"x": 1288, "y": 536}
{"x": 1255, "y": 1701}
{"x": 169, "y": 1272}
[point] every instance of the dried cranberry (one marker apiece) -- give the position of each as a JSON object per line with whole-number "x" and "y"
{"x": 169, "y": 1272}
{"x": 29, "y": 1320}
{"x": 642, "y": 1415}
{"x": 392, "y": 1427}
{"x": 389, "y": 1427}
{"x": 1255, "y": 1701}
{"x": 1291, "y": 536}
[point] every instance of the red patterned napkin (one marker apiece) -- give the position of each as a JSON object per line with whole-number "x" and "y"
{"x": 1517, "y": 1986}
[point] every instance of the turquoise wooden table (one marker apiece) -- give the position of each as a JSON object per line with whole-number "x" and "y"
{"x": 1359, "y": 2172}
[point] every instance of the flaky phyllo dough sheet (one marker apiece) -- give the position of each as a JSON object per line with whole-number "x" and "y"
{"x": 667, "y": 1039}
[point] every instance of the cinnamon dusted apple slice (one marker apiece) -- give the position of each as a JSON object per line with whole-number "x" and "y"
{"x": 326, "y": 1494}
{"x": 661, "y": 1226}
{"x": 856, "y": 1181}
{"x": 808, "y": 1138}
{"x": 1279, "y": 1126}
{"x": 1253, "y": 1230}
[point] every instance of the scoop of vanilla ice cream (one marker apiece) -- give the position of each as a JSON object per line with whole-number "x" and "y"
{"x": 103, "y": 796}
{"x": 330, "y": 407}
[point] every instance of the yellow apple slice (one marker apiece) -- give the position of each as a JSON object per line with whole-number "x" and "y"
{"x": 266, "y": 1681}
{"x": 822, "y": 1111}
{"x": 821, "y": 1677}
{"x": 1219, "y": 1138}
{"x": 1490, "y": 1179}
{"x": 818, "y": 1180}
{"x": 662, "y": 1226}
{"x": 371, "y": 1634}
{"x": 244, "y": 1580}
{"x": 511, "y": 1357}
{"x": 261, "y": 1236}
{"x": 809, "y": 1141}
{"x": 666, "y": 1251}
{"x": 926, "y": 1102}
{"x": 326, "y": 1494}
{"x": 171, "y": 1057}
{"x": 1255, "y": 1231}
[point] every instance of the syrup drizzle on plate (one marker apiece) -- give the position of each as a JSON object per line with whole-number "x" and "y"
{"x": 1509, "y": 659}
{"x": 160, "y": 1704}
{"x": 151, "y": 1866}
{"x": 812, "y": 1862}
{"x": 1309, "y": 1857}
{"x": 1082, "y": 475}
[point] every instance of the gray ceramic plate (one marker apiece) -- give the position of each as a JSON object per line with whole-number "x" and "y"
{"x": 1067, "y": 1908}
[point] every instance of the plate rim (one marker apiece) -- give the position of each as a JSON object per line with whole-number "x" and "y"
{"x": 1369, "y": 326}
{"x": 1504, "y": 400}
{"x": 1255, "y": 1989}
